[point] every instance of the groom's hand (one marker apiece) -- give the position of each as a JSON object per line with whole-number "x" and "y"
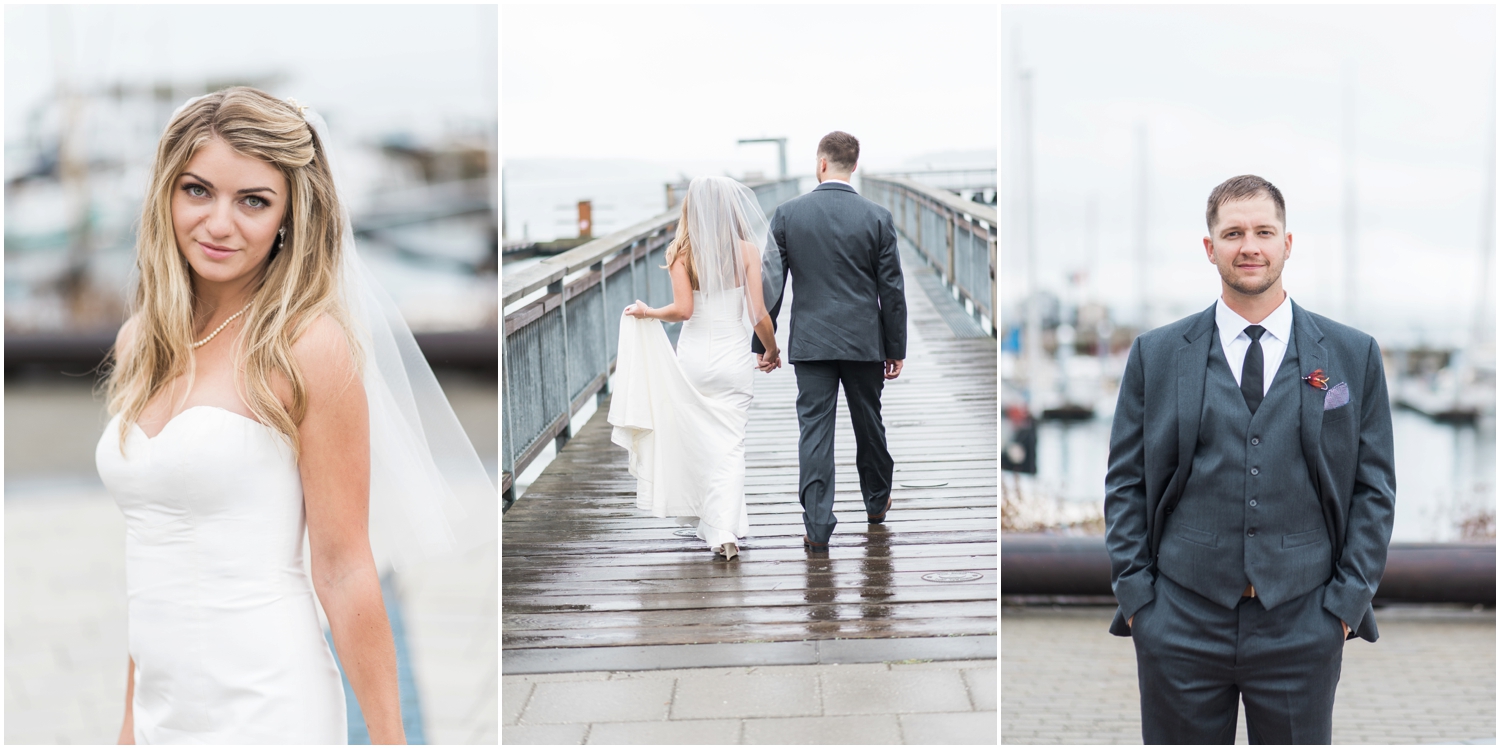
{"x": 893, "y": 368}
{"x": 767, "y": 365}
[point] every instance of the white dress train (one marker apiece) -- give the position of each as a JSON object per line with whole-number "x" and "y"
{"x": 682, "y": 416}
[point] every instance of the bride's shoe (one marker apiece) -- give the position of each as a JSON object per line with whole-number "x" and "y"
{"x": 730, "y": 551}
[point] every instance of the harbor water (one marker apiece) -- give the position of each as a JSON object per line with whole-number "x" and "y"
{"x": 1444, "y": 476}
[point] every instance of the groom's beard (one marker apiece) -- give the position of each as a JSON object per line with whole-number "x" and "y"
{"x": 1251, "y": 289}
{"x": 1245, "y": 286}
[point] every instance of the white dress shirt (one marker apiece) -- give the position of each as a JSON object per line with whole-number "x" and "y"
{"x": 840, "y": 181}
{"x": 1273, "y": 342}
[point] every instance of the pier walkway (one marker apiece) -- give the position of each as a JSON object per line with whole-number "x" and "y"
{"x": 590, "y": 583}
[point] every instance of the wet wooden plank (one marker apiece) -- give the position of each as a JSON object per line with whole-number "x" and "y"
{"x": 582, "y": 567}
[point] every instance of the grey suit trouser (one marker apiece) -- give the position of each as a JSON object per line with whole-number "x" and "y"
{"x": 1195, "y": 659}
{"x": 817, "y": 410}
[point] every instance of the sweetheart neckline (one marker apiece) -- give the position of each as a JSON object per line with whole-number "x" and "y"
{"x": 150, "y": 438}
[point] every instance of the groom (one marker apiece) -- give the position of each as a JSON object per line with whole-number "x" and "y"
{"x": 848, "y": 328}
{"x": 1249, "y": 497}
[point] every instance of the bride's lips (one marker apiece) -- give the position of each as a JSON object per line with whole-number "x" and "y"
{"x": 215, "y": 252}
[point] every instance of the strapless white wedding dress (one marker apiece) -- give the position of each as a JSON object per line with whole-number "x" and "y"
{"x": 682, "y": 415}
{"x": 223, "y": 626}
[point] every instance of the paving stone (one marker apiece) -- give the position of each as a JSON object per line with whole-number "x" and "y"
{"x": 513, "y": 696}
{"x": 1430, "y": 675}
{"x": 572, "y": 676}
{"x": 894, "y": 693}
{"x": 940, "y": 665}
{"x": 950, "y": 728}
{"x": 862, "y": 729}
{"x": 558, "y": 734}
{"x": 667, "y": 732}
{"x": 982, "y": 683}
{"x": 597, "y": 702}
{"x": 746, "y": 696}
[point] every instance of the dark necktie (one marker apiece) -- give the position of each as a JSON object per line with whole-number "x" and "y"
{"x": 1252, "y": 376}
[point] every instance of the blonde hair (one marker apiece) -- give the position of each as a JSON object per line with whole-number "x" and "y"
{"x": 299, "y": 282}
{"x": 683, "y": 246}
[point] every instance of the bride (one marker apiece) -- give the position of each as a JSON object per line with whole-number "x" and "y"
{"x": 682, "y": 416}
{"x": 261, "y": 379}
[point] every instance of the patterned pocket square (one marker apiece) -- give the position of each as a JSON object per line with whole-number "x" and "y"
{"x": 1336, "y": 397}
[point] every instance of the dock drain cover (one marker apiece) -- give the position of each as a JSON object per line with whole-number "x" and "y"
{"x": 689, "y": 532}
{"x": 952, "y": 577}
{"x": 923, "y": 484}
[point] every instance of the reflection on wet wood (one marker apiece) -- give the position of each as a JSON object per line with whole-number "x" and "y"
{"x": 583, "y": 568}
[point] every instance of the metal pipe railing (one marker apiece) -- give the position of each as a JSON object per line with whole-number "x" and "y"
{"x": 956, "y": 236}
{"x": 560, "y": 346}
{"x": 1047, "y": 565}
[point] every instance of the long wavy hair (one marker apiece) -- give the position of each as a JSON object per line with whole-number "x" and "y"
{"x": 299, "y": 282}
{"x": 682, "y": 245}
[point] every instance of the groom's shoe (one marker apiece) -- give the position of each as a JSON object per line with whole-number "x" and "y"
{"x": 814, "y": 545}
{"x": 881, "y": 517}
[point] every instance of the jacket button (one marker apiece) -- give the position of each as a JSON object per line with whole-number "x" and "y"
{"x": 1169, "y": 510}
{"x": 1252, "y": 533}
{"x": 1255, "y": 440}
{"x": 1254, "y": 471}
{"x": 1252, "y": 503}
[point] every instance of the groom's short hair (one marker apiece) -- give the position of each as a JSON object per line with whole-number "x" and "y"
{"x": 1243, "y": 187}
{"x": 841, "y": 149}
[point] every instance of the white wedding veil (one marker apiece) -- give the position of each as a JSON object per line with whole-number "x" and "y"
{"x": 429, "y": 493}
{"x": 728, "y": 232}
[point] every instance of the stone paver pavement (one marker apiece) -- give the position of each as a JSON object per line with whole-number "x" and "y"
{"x": 1430, "y": 679}
{"x": 940, "y": 702}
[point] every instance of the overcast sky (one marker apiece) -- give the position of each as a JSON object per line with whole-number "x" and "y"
{"x": 1227, "y": 90}
{"x": 684, "y": 82}
{"x": 368, "y": 68}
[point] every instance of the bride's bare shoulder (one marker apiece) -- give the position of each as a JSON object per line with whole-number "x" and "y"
{"x": 323, "y": 354}
{"x": 125, "y": 338}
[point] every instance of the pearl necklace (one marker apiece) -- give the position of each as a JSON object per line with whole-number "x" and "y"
{"x": 230, "y": 319}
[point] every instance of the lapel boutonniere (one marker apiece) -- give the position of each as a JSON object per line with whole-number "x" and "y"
{"x": 1317, "y": 379}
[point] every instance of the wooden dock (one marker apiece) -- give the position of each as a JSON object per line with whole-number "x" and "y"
{"x": 583, "y": 571}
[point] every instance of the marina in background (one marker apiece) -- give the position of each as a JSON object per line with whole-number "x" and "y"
{"x": 1065, "y": 341}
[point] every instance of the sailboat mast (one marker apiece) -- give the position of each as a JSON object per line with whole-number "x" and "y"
{"x": 1351, "y": 209}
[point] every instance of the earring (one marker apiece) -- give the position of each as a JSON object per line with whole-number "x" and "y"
{"x": 281, "y": 238}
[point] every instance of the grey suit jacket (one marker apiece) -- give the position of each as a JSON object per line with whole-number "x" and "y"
{"x": 840, "y": 250}
{"x": 1349, "y": 451}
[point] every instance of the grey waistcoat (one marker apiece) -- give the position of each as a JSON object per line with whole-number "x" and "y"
{"x": 1249, "y": 512}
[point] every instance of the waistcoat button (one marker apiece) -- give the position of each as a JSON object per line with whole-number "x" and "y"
{"x": 1254, "y": 471}
{"x": 1252, "y": 533}
{"x": 1255, "y": 440}
{"x": 1252, "y": 503}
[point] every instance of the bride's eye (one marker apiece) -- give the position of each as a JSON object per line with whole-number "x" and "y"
{"x": 255, "y": 201}
{"x": 197, "y": 191}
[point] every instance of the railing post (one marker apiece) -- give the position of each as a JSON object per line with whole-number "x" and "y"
{"x": 560, "y": 287}
{"x": 603, "y": 393}
{"x": 952, "y": 227}
{"x": 507, "y": 436}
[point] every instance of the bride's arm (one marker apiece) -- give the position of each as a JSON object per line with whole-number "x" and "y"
{"x": 763, "y": 327}
{"x": 681, "y": 307}
{"x": 335, "y": 468}
{"x": 127, "y": 729}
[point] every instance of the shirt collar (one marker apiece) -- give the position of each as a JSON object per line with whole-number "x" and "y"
{"x": 840, "y": 181}
{"x": 1277, "y": 324}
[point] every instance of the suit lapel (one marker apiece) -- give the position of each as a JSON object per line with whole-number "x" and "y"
{"x": 1192, "y": 370}
{"x": 1310, "y": 356}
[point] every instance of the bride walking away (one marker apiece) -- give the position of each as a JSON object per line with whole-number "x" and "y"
{"x": 682, "y": 415}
